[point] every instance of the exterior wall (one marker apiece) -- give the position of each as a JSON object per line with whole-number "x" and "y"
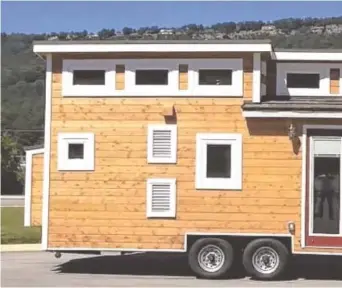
{"x": 120, "y": 77}
{"x": 107, "y": 208}
{"x": 36, "y": 186}
{"x": 271, "y": 78}
{"x": 334, "y": 81}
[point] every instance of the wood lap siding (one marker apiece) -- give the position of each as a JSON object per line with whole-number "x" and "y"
{"x": 36, "y": 190}
{"x": 335, "y": 81}
{"x": 107, "y": 208}
{"x": 120, "y": 77}
{"x": 183, "y": 77}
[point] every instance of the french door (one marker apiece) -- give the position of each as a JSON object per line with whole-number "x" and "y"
{"x": 323, "y": 207}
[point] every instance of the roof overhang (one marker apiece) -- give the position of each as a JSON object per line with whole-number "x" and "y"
{"x": 45, "y": 47}
{"x": 307, "y": 55}
{"x": 292, "y": 114}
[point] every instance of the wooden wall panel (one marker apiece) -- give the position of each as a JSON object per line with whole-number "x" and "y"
{"x": 248, "y": 77}
{"x": 106, "y": 208}
{"x": 120, "y": 77}
{"x": 183, "y": 77}
{"x": 37, "y": 189}
{"x": 335, "y": 81}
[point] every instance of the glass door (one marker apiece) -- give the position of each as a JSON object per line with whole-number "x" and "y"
{"x": 324, "y": 204}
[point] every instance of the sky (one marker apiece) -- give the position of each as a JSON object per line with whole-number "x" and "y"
{"x": 54, "y": 16}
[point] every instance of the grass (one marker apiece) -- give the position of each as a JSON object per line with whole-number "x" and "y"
{"x": 13, "y": 230}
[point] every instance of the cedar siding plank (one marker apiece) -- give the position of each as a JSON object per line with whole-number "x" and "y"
{"x": 37, "y": 189}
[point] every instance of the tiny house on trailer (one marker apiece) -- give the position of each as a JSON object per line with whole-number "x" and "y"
{"x": 209, "y": 148}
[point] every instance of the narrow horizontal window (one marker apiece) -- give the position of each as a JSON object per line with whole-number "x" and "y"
{"x": 89, "y": 77}
{"x": 151, "y": 77}
{"x": 215, "y": 77}
{"x": 76, "y": 151}
{"x": 218, "y": 161}
{"x": 302, "y": 80}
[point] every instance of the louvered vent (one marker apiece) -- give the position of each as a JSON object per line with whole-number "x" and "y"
{"x": 161, "y": 198}
{"x": 161, "y": 146}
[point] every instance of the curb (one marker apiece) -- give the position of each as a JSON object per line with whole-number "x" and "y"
{"x": 21, "y": 247}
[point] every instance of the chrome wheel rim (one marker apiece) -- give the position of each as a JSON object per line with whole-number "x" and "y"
{"x": 265, "y": 260}
{"x": 211, "y": 258}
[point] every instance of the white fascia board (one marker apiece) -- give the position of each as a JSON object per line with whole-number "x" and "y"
{"x": 307, "y": 56}
{"x": 291, "y": 114}
{"x": 87, "y": 48}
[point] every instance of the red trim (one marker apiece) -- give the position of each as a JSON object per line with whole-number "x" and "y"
{"x": 317, "y": 241}
{"x": 323, "y": 241}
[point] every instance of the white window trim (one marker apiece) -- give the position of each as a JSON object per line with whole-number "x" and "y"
{"x": 68, "y": 89}
{"x": 234, "y": 90}
{"x": 323, "y": 69}
{"x": 233, "y": 183}
{"x": 86, "y": 164}
{"x": 170, "y": 90}
{"x": 167, "y": 127}
{"x": 168, "y": 214}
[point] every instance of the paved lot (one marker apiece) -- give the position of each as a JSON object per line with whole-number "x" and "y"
{"x": 16, "y": 201}
{"x": 37, "y": 269}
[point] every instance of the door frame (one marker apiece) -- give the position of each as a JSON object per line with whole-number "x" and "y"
{"x": 306, "y": 156}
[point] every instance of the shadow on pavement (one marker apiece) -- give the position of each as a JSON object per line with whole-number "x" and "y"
{"x": 157, "y": 264}
{"x": 172, "y": 264}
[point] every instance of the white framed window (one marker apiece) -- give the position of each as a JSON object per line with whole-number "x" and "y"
{"x": 216, "y": 77}
{"x": 161, "y": 198}
{"x": 151, "y": 77}
{"x": 88, "y": 77}
{"x": 76, "y": 151}
{"x": 219, "y": 161}
{"x": 162, "y": 144}
{"x": 304, "y": 79}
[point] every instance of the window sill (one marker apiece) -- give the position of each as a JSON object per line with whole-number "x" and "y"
{"x": 201, "y": 186}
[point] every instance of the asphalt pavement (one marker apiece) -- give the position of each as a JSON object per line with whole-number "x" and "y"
{"x": 37, "y": 269}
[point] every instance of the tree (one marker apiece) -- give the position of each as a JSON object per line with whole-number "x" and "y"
{"x": 12, "y": 176}
{"x": 106, "y": 33}
{"x": 127, "y": 31}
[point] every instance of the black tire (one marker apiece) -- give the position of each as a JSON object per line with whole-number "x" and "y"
{"x": 195, "y": 250}
{"x": 274, "y": 246}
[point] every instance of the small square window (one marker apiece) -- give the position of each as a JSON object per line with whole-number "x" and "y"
{"x": 219, "y": 161}
{"x": 215, "y": 77}
{"x": 151, "y": 77}
{"x": 88, "y": 77}
{"x": 76, "y": 151}
{"x": 302, "y": 80}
